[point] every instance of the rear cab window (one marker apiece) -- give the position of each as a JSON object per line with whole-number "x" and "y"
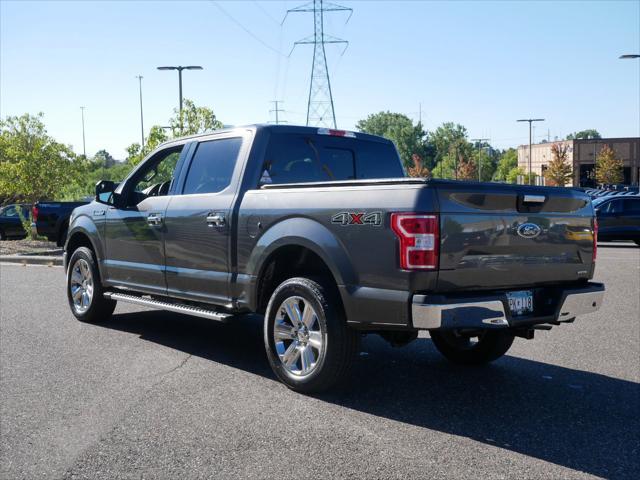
{"x": 299, "y": 158}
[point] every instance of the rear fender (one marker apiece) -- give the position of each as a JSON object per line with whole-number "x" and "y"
{"x": 306, "y": 233}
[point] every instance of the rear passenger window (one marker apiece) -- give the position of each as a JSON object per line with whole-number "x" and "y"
{"x": 212, "y": 166}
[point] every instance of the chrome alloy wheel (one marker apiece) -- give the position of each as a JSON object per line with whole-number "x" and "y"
{"x": 81, "y": 286}
{"x": 297, "y": 336}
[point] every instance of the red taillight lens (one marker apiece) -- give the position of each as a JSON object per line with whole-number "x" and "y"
{"x": 595, "y": 238}
{"x": 419, "y": 238}
{"x": 34, "y": 214}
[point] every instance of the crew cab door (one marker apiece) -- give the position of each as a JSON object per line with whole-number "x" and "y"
{"x": 199, "y": 224}
{"x": 135, "y": 227}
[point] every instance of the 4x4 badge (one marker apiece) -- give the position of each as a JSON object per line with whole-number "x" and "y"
{"x": 357, "y": 218}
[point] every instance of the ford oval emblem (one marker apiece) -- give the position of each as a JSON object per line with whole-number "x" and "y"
{"x": 529, "y": 230}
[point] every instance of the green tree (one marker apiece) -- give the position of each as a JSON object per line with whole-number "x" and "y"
{"x": 409, "y": 139}
{"x": 447, "y": 136}
{"x": 157, "y": 136}
{"x": 507, "y": 163}
{"x": 609, "y": 168}
{"x": 33, "y": 166}
{"x": 193, "y": 120}
{"x": 486, "y": 161}
{"x": 103, "y": 159}
{"x": 559, "y": 171}
{"x": 513, "y": 174}
{"x": 584, "y": 134}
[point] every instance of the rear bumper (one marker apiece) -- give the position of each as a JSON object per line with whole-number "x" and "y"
{"x": 432, "y": 312}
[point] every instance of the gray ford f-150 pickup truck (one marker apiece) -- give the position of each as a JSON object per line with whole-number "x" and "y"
{"x": 320, "y": 231}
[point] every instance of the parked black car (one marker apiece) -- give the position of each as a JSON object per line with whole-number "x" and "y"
{"x": 10, "y": 222}
{"x": 51, "y": 219}
{"x": 618, "y": 217}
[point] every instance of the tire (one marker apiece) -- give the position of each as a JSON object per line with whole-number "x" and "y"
{"x": 491, "y": 345}
{"x": 637, "y": 242}
{"x": 2, "y": 235}
{"x": 83, "y": 281}
{"x": 316, "y": 349}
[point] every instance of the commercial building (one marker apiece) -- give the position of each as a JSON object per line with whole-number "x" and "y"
{"x": 582, "y": 155}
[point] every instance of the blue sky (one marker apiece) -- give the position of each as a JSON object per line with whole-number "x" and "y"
{"x": 481, "y": 64}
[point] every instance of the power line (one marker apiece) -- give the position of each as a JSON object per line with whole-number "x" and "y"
{"x": 320, "y": 108}
{"x": 247, "y": 31}
{"x": 257, "y": 4}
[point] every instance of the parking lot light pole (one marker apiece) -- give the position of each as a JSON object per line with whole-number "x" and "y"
{"x": 180, "y": 68}
{"x": 84, "y": 146}
{"x": 479, "y": 142}
{"x": 140, "y": 77}
{"x": 530, "y": 120}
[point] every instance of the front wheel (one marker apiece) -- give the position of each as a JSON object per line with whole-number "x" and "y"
{"x": 477, "y": 349}
{"x": 309, "y": 345}
{"x": 84, "y": 289}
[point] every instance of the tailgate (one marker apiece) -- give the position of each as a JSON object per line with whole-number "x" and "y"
{"x": 506, "y": 236}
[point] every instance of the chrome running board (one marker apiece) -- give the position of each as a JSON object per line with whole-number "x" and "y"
{"x": 171, "y": 307}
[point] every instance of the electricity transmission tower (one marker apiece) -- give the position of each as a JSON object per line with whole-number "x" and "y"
{"x": 320, "y": 111}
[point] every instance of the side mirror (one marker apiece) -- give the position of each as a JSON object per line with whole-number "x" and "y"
{"x": 104, "y": 192}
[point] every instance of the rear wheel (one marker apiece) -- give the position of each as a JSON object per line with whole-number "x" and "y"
{"x": 477, "y": 349}
{"x": 2, "y": 235}
{"x": 308, "y": 344}
{"x": 84, "y": 289}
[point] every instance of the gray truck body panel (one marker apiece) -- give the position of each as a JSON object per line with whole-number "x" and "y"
{"x": 481, "y": 252}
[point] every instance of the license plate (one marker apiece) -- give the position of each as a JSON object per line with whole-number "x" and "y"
{"x": 520, "y": 303}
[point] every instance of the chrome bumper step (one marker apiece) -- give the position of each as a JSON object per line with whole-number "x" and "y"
{"x": 171, "y": 307}
{"x": 490, "y": 312}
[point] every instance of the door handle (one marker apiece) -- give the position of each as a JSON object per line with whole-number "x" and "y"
{"x": 215, "y": 220}
{"x": 154, "y": 220}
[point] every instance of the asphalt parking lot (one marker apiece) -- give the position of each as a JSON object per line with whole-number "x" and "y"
{"x": 160, "y": 395}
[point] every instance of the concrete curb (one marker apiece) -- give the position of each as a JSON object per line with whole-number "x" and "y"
{"x": 32, "y": 259}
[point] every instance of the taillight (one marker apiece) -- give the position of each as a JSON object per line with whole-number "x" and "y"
{"x": 34, "y": 213}
{"x": 595, "y": 238}
{"x": 419, "y": 238}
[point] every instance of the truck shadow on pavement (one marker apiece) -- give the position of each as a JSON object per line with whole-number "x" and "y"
{"x": 577, "y": 419}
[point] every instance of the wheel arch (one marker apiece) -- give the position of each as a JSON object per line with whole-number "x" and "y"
{"x": 84, "y": 233}
{"x": 296, "y": 246}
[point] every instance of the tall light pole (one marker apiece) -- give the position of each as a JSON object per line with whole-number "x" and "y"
{"x": 479, "y": 141}
{"x": 140, "y": 77}
{"x": 530, "y": 120}
{"x": 84, "y": 146}
{"x": 180, "y": 68}
{"x": 630, "y": 56}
